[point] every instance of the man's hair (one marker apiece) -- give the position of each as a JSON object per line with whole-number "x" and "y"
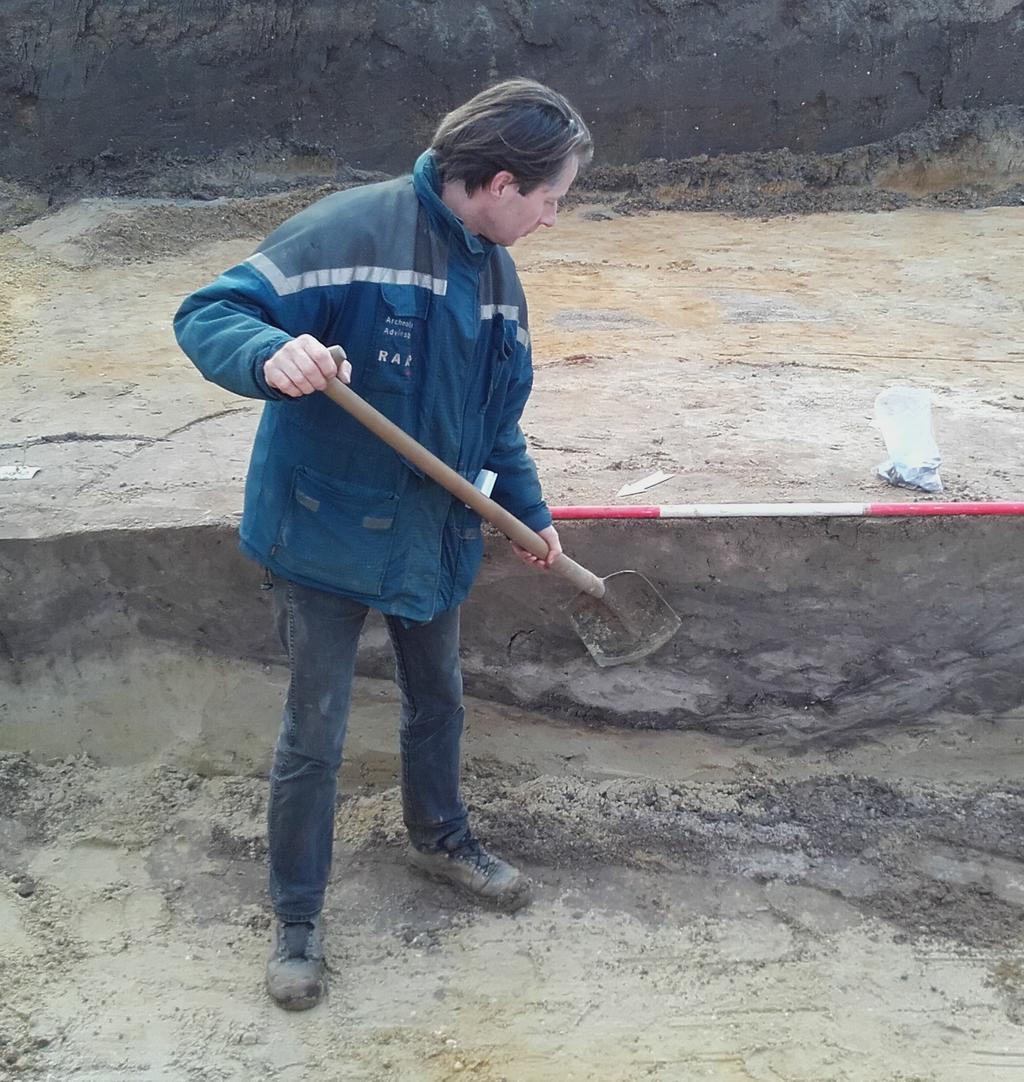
{"x": 520, "y": 126}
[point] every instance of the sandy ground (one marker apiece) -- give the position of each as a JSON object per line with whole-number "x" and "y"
{"x": 705, "y": 910}
{"x": 742, "y": 356}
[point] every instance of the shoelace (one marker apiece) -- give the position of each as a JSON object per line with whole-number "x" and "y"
{"x": 471, "y": 850}
{"x": 296, "y": 939}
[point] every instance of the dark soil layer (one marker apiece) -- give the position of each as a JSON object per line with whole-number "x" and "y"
{"x": 959, "y": 159}
{"x": 189, "y": 99}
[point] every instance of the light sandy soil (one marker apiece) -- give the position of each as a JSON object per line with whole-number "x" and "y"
{"x": 740, "y": 355}
{"x": 705, "y": 910}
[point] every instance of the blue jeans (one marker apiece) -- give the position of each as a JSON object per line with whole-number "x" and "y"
{"x": 320, "y": 632}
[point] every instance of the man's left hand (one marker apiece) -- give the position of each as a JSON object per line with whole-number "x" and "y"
{"x": 550, "y": 536}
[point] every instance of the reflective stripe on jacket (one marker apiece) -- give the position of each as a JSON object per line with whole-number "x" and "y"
{"x": 434, "y": 322}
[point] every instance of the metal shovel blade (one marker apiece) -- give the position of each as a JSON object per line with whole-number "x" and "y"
{"x": 631, "y": 621}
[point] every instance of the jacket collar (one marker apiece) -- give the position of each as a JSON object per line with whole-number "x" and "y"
{"x": 427, "y": 181}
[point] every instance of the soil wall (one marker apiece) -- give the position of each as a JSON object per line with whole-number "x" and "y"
{"x": 99, "y": 94}
{"x": 132, "y": 642}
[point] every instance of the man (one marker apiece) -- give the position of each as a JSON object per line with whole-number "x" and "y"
{"x": 411, "y": 277}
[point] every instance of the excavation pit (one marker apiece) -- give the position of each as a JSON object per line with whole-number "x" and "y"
{"x": 787, "y": 846}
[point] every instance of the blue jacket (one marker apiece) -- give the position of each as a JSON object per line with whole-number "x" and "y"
{"x": 433, "y": 320}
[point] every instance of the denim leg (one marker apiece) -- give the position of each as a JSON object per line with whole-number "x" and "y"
{"x": 320, "y": 632}
{"x": 430, "y": 680}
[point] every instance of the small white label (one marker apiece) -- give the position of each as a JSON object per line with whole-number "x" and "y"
{"x": 18, "y": 473}
{"x": 485, "y": 481}
{"x": 643, "y": 485}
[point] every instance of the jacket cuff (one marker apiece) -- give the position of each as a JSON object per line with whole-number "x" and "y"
{"x": 262, "y": 356}
{"x": 537, "y": 517}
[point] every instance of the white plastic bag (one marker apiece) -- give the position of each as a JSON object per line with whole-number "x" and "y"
{"x": 904, "y": 414}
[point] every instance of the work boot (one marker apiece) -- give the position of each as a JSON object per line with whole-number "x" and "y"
{"x": 295, "y": 971}
{"x": 476, "y": 872}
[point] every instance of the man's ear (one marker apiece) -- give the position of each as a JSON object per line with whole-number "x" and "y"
{"x": 501, "y": 182}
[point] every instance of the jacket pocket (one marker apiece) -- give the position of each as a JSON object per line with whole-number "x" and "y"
{"x": 337, "y": 534}
{"x": 397, "y": 349}
{"x": 463, "y": 549}
{"x": 500, "y": 358}
{"x": 469, "y": 525}
{"x": 470, "y": 551}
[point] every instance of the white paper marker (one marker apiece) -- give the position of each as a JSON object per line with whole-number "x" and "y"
{"x": 644, "y": 484}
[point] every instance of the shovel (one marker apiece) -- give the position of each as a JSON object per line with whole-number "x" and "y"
{"x": 620, "y": 618}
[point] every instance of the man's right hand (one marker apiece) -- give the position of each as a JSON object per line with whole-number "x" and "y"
{"x": 303, "y": 366}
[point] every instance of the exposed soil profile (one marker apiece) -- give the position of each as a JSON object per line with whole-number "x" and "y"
{"x": 137, "y": 98}
{"x": 957, "y": 158}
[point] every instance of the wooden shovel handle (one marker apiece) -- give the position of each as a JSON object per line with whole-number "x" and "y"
{"x": 457, "y": 485}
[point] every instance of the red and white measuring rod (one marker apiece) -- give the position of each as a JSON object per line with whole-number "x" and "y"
{"x": 791, "y": 510}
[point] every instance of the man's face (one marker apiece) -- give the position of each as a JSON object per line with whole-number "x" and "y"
{"x": 512, "y": 215}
